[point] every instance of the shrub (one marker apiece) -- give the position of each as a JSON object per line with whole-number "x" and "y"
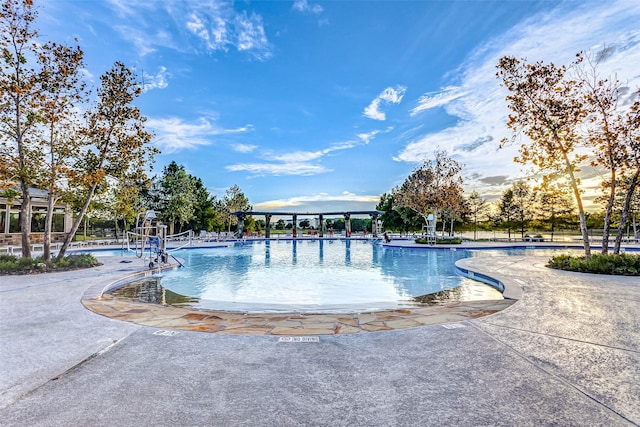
{"x": 8, "y": 258}
{"x": 81, "y": 261}
{"x": 622, "y": 264}
{"x": 10, "y": 264}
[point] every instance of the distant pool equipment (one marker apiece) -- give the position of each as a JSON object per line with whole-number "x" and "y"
{"x": 150, "y": 239}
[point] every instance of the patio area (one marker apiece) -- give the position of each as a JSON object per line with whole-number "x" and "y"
{"x": 566, "y": 353}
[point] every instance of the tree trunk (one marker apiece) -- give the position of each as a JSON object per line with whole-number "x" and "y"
{"x": 76, "y": 222}
{"x": 625, "y": 211}
{"x": 583, "y": 219}
{"x": 48, "y": 225}
{"x": 25, "y": 220}
{"x": 475, "y": 225}
{"x": 607, "y": 215}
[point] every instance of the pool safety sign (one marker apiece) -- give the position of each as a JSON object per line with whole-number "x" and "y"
{"x": 299, "y": 339}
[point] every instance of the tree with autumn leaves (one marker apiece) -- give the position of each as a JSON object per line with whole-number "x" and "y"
{"x": 114, "y": 141}
{"x": 19, "y": 105}
{"x": 43, "y": 141}
{"x": 563, "y": 110}
{"x": 432, "y": 188}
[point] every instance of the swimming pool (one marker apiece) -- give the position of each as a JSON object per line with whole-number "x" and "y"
{"x": 319, "y": 275}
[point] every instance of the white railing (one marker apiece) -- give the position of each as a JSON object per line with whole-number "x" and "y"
{"x": 185, "y": 236}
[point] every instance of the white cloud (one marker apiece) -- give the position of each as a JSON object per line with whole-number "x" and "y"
{"x": 321, "y": 202}
{"x": 243, "y": 148}
{"x": 157, "y": 81}
{"x": 388, "y": 96}
{"x": 296, "y": 162}
{"x": 173, "y": 134}
{"x": 123, "y": 8}
{"x": 214, "y": 25}
{"x": 373, "y": 111}
{"x": 303, "y": 6}
{"x": 87, "y": 74}
{"x": 297, "y": 156}
{"x": 142, "y": 40}
{"x": 251, "y": 36}
{"x": 278, "y": 169}
{"x": 437, "y": 99}
{"x": 477, "y": 100}
{"x": 366, "y": 137}
{"x": 197, "y": 27}
{"x": 220, "y": 27}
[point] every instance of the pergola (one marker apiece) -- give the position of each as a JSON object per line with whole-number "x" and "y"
{"x": 320, "y": 215}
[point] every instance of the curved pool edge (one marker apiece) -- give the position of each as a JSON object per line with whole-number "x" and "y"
{"x": 291, "y": 324}
{"x": 510, "y": 290}
{"x": 96, "y": 299}
{"x": 97, "y": 290}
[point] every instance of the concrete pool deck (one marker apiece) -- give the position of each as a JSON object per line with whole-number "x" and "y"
{"x": 566, "y": 353}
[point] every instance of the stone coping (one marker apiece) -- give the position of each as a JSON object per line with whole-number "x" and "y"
{"x": 169, "y": 317}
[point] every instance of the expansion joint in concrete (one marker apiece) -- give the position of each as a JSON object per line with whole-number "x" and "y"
{"x": 559, "y": 378}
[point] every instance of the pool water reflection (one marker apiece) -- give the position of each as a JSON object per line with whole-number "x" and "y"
{"x": 318, "y": 275}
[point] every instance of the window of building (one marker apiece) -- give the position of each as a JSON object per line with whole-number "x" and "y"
{"x": 58, "y": 220}
{"x": 38, "y": 218}
{"x": 3, "y": 217}
{"x": 14, "y": 220}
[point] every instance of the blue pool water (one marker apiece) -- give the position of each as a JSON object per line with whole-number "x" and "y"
{"x": 320, "y": 275}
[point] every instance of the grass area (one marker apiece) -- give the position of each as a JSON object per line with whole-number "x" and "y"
{"x": 11, "y": 264}
{"x": 621, "y": 265}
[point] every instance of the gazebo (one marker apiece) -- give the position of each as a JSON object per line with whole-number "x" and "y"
{"x": 320, "y": 215}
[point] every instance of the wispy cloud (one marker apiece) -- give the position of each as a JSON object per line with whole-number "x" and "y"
{"x": 213, "y": 25}
{"x": 142, "y": 40}
{"x": 243, "y": 148}
{"x": 124, "y": 8}
{"x": 303, "y": 6}
{"x": 298, "y": 162}
{"x": 321, "y": 202}
{"x": 174, "y": 134}
{"x": 278, "y": 169}
{"x": 297, "y": 156}
{"x": 157, "y": 81}
{"x": 220, "y": 27}
{"x": 251, "y": 36}
{"x": 366, "y": 137}
{"x": 437, "y": 99}
{"x": 477, "y": 101}
{"x": 388, "y": 96}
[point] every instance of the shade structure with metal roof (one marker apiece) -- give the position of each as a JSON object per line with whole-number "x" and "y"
{"x": 320, "y": 215}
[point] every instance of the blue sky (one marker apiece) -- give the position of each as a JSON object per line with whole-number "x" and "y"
{"x": 318, "y": 106}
